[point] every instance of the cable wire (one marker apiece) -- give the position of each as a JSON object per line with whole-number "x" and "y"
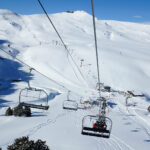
{"x": 63, "y": 43}
{"x": 102, "y": 105}
{"x": 57, "y": 83}
{"x": 34, "y": 69}
{"x": 95, "y": 37}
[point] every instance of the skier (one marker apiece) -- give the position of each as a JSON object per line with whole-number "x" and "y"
{"x": 100, "y": 124}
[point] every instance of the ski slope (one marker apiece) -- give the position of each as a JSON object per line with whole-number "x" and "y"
{"x": 124, "y": 65}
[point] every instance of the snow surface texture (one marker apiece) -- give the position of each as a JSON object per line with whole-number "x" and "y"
{"x": 124, "y": 65}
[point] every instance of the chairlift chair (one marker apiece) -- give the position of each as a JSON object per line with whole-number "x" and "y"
{"x": 33, "y": 97}
{"x": 92, "y": 126}
{"x": 70, "y": 104}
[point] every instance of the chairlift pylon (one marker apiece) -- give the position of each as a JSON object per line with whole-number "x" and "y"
{"x": 33, "y": 97}
{"x": 70, "y": 104}
{"x": 101, "y": 85}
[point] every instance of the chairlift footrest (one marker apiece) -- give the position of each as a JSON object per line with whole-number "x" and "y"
{"x": 94, "y": 134}
{"x": 96, "y": 130}
{"x": 35, "y": 106}
{"x": 67, "y": 108}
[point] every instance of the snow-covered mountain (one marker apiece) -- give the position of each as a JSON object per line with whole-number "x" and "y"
{"x": 124, "y": 65}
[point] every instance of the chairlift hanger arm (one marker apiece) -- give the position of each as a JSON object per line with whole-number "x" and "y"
{"x": 68, "y": 95}
{"x": 30, "y": 70}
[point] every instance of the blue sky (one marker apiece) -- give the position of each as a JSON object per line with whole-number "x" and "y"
{"x": 124, "y": 10}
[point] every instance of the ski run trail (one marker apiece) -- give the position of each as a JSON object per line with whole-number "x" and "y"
{"x": 124, "y": 56}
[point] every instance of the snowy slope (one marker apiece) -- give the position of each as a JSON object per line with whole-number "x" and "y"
{"x": 124, "y": 65}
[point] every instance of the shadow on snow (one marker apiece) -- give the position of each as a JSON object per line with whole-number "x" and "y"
{"x": 147, "y": 97}
{"x": 10, "y": 73}
{"x": 4, "y": 41}
{"x": 111, "y": 104}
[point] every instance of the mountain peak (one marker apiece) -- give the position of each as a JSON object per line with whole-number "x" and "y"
{"x": 6, "y": 12}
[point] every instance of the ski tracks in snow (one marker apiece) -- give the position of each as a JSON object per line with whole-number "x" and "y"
{"x": 132, "y": 111}
{"x": 33, "y": 130}
{"x": 145, "y": 127}
{"x": 113, "y": 143}
{"x": 48, "y": 122}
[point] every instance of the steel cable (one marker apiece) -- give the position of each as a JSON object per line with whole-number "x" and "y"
{"x": 63, "y": 44}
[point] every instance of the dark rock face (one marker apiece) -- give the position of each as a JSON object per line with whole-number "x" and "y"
{"x": 70, "y": 11}
{"x": 25, "y": 144}
{"x": 39, "y": 144}
{"x": 9, "y": 112}
{"x": 148, "y": 109}
{"x": 22, "y": 111}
